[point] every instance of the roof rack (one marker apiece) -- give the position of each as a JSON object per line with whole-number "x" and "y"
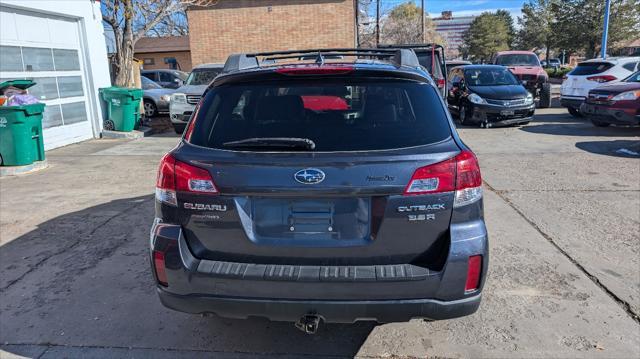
{"x": 409, "y": 46}
{"x": 397, "y": 56}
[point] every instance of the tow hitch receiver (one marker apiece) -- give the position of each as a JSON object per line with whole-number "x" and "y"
{"x": 308, "y": 323}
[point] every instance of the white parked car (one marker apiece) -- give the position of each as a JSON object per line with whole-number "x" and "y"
{"x": 185, "y": 99}
{"x": 591, "y": 74}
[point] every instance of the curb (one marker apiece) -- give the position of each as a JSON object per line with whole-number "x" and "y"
{"x": 7, "y": 171}
{"x": 135, "y": 134}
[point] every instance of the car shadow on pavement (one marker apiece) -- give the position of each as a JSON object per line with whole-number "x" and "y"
{"x": 82, "y": 279}
{"x": 616, "y": 148}
{"x": 554, "y": 124}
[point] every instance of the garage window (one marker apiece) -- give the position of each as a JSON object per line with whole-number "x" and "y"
{"x": 66, "y": 60}
{"x": 52, "y": 116}
{"x": 45, "y": 88}
{"x": 70, "y": 86}
{"x": 37, "y": 59}
{"x": 59, "y": 85}
{"x": 10, "y": 58}
{"x": 73, "y": 112}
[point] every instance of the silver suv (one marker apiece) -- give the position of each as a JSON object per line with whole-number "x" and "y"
{"x": 184, "y": 100}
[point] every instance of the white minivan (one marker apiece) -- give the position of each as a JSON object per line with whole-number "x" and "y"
{"x": 591, "y": 74}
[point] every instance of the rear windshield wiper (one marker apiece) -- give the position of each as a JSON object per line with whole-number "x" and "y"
{"x": 273, "y": 142}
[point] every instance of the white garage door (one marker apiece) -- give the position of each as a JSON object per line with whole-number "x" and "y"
{"x": 48, "y": 51}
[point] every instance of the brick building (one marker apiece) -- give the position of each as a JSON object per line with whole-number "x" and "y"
{"x": 233, "y": 26}
{"x": 158, "y": 52}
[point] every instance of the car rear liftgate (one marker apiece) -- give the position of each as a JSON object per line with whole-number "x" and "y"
{"x": 349, "y": 214}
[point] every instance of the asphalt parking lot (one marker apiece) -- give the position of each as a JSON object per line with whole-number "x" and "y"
{"x": 562, "y": 203}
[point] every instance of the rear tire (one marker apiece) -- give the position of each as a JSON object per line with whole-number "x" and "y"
{"x": 179, "y": 128}
{"x": 545, "y": 96}
{"x": 463, "y": 116}
{"x": 599, "y": 123}
{"x": 574, "y": 112}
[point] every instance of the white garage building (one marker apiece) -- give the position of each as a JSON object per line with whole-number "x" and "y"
{"x": 61, "y": 46}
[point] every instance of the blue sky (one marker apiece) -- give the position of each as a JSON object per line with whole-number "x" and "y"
{"x": 464, "y": 7}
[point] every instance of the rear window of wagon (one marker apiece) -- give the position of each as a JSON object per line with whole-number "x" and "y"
{"x": 337, "y": 115}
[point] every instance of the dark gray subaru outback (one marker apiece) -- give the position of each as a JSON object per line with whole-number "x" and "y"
{"x": 334, "y": 189}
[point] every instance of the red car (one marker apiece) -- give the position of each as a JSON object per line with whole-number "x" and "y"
{"x": 526, "y": 66}
{"x": 618, "y": 103}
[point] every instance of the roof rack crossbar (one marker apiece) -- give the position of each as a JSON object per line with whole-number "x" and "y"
{"x": 409, "y": 46}
{"x": 398, "y": 56}
{"x": 315, "y": 51}
{"x": 329, "y": 54}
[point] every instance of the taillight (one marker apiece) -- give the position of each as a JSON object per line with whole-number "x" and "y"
{"x": 166, "y": 181}
{"x": 193, "y": 179}
{"x": 159, "y": 266}
{"x": 460, "y": 174}
{"x": 175, "y": 176}
{"x": 439, "y": 177}
{"x": 565, "y": 77}
{"x": 601, "y": 79}
{"x": 474, "y": 268}
{"x": 440, "y": 83}
{"x": 315, "y": 70}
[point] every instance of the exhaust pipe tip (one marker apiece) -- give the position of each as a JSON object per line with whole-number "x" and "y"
{"x": 308, "y": 323}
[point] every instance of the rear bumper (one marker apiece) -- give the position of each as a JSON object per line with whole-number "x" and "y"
{"x": 338, "y": 294}
{"x": 384, "y": 311}
{"x": 571, "y": 101}
{"x": 618, "y": 116}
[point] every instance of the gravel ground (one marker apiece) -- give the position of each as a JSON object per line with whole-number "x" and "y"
{"x": 562, "y": 208}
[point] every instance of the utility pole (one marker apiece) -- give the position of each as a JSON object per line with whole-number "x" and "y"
{"x": 605, "y": 32}
{"x": 357, "y": 23}
{"x": 377, "y": 23}
{"x": 422, "y": 18}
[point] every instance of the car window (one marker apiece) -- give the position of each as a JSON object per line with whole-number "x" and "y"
{"x": 455, "y": 76}
{"x": 633, "y": 78}
{"x": 148, "y": 84}
{"x": 166, "y": 77}
{"x": 591, "y": 68}
{"x": 424, "y": 58}
{"x": 489, "y": 77}
{"x": 202, "y": 76}
{"x": 347, "y": 115}
{"x": 152, "y": 75}
{"x": 631, "y": 66}
{"x": 518, "y": 60}
{"x": 180, "y": 74}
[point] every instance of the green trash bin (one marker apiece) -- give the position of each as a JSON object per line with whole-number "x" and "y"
{"x": 21, "y": 141}
{"x": 123, "y": 108}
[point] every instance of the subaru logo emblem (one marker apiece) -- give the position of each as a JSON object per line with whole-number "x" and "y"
{"x": 309, "y": 176}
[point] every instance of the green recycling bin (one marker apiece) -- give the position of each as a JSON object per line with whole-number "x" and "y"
{"x": 21, "y": 141}
{"x": 123, "y": 108}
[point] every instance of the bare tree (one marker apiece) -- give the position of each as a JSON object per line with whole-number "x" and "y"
{"x": 133, "y": 19}
{"x": 402, "y": 25}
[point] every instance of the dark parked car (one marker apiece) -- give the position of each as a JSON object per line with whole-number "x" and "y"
{"x": 489, "y": 95}
{"x": 617, "y": 103}
{"x": 166, "y": 78}
{"x": 315, "y": 190}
